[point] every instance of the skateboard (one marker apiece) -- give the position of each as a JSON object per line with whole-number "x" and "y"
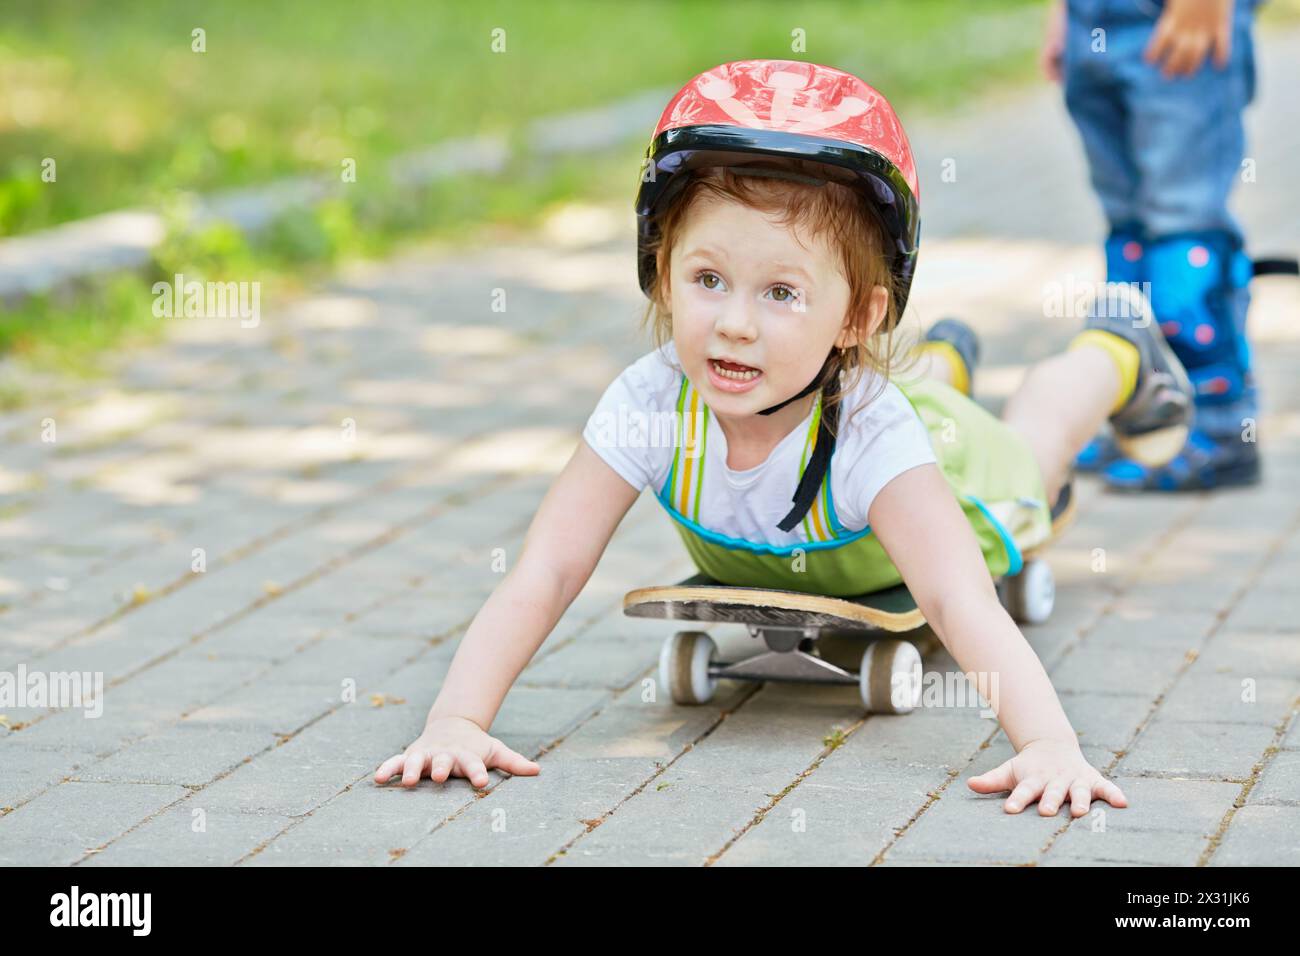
{"x": 791, "y": 623}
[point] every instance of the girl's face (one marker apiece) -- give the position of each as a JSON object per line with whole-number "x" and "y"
{"x": 755, "y": 311}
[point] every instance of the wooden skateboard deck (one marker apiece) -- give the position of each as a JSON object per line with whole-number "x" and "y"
{"x": 700, "y": 598}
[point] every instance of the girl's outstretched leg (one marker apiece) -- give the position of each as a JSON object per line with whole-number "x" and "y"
{"x": 949, "y": 353}
{"x": 1060, "y": 405}
{"x": 1119, "y": 367}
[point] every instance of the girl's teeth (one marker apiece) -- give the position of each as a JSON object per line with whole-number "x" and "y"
{"x": 738, "y": 376}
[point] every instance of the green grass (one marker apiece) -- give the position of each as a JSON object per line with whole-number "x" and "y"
{"x": 133, "y": 117}
{"x": 114, "y": 94}
{"x": 69, "y": 330}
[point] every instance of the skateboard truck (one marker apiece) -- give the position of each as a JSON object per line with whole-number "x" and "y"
{"x": 888, "y": 679}
{"x": 788, "y": 659}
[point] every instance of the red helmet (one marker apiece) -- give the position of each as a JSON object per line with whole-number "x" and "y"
{"x": 738, "y": 113}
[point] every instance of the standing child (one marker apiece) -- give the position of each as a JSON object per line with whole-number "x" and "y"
{"x": 778, "y": 231}
{"x": 1157, "y": 89}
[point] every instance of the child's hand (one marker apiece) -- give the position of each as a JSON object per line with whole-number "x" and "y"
{"x": 1049, "y": 56}
{"x": 1047, "y": 771}
{"x": 454, "y": 746}
{"x": 1186, "y": 31}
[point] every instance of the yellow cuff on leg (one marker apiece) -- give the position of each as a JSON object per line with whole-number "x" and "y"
{"x": 1126, "y": 356}
{"x": 945, "y": 352}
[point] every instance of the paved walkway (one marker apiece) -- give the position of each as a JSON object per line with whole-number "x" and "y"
{"x": 247, "y": 704}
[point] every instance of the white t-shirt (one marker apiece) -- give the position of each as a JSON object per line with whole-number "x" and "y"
{"x": 872, "y": 447}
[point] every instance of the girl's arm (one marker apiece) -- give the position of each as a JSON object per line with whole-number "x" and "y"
{"x": 926, "y": 534}
{"x": 567, "y": 536}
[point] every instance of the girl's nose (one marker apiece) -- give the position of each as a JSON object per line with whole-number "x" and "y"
{"x": 737, "y": 320}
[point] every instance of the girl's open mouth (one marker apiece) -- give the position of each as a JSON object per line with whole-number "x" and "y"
{"x": 732, "y": 376}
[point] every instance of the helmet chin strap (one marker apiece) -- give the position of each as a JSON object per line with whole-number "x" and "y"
{"x": 824, "y": 446}
{"x": 811, "y": 387}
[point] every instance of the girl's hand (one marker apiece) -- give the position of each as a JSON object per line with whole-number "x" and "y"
{"x": 1047, "y": 770}
{"x": 454, "y": 746}
{"x": 1186, "y": 32}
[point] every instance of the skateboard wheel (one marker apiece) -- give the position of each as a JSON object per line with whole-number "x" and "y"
{"x": 1030, "y": 595}
{"x": 684, "y": 667}
{"x": 890, "y": 677}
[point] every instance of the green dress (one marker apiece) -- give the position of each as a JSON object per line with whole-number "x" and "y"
{"x": 988, "y": 465}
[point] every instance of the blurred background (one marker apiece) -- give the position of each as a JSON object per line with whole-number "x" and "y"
{"x": 437, "y": 112}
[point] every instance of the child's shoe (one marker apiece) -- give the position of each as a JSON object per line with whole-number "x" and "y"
{"x": 1152, "y": 426}
{"x": 1205, "y": 462}
{"x": 959, "y": 340}
{"x": 1097, "y": 454}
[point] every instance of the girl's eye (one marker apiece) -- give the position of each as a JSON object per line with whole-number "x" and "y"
{"x": 710, "y": 280}
{"x": 783, "y": 293}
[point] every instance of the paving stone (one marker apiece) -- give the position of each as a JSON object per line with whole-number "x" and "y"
{"x": 1102, "y": 668}
{"x": 180, "y": 755}
{"x": 66, "y": 822}
{"x": 1252, "y": 653}
{"x": 963, "y": 826}
{"x": 1225, "y": 751}
{"x": 1201, "y": 695}
{"x": 1081, "y": 846}
{"x": 123, "y": 721}
{"x": 1214, "y": 586}
{"x": 1261, "y": 836}
{"x": 1157, "y": 805}
{"x": 1279, "y": 783}
{"x": 190, "y": 835}
{"x": 28, "y": 771}
{"x": 1164, "y": 626}
{"x": 593, "y": 663}
{"x": 1267, "y": 610}
{"x": 265, "y": 706}
{"x": 1292, "y": 738}
{"x": 939, "y": 738}
{"x": 697, "y": 804}
{"x": 366, "y": 825}
{"x": 1105, "y": 720}
{"x": 844, "y": 813}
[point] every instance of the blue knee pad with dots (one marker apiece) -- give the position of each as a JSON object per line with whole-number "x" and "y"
{"x": 1124, "y": 255}
{"x": 1199, "y": 293}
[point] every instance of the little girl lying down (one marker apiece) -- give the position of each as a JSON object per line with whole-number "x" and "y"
{"x": 779, "y": 225}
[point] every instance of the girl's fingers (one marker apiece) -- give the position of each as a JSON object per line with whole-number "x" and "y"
{"x": 1050, "y": 801}
{"x": 1024, "y": 794}
{"x": 472, "y": 768}
{"x": 511, "y": 762}
{"x": 1105, "y": 790}
{"x": 1080, "y": 798}
{"x": 441, "y": 766}
{"x": 994, "y": 781}
{"x": 415, "y": 763}
{"x": 389, "y": 767}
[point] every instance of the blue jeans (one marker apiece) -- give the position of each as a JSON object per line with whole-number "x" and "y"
{"x": 1164, "y": 154}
